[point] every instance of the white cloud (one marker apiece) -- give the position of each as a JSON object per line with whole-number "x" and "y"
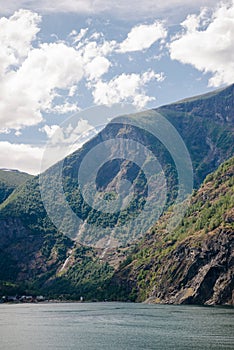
{"x": 142, "y": 37}
{"x": 78, "y": 36}
{"x": 40, "y": 78}
{"x": 64, "y": 108}
{"x": 119, "y": 8}
{"x": 5, "y": 131}
{"x": 125, "y": 88}
{"x": 31, "y": 77}
{"x": 72, "y": 135}
{"x": 63, "y": 140}
{"x": 49, "y": 129}
{"x": 208, "y": 44}
{"x": 72, "y": 91}
{"x": 16, "y": 36}
{"x": 26, "y": 157}
{"x": 30, "y": 90}
{"x": 91, "y": 49}
{"x": 23, "y": 156}
{"x": 67, "y": 135}
{"x": 97, "y": 67}
{"x": 94, "y": 57}
{"x": 82, "y": 127}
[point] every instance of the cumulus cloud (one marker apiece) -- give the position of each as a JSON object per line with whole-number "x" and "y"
{"x": 5, "y": 131}
{"x": 207, "y": 43}
{"x": 39, "y": 78}
{"x": 64, "y": 139}
{"x": 33, "y": 77}
{"x": 78, "y": 36}
{"x": 23, "y": 156}
{"x": 30, "y": 90}
{"x": 49, "y": 129}
{"x": 97, "y": 67}
{"x": 27, "y": 157}
{"x": 125, "y": 88}
{"x": 69, "y": 134}
{"x": 64, "y": 108}
{"x": 142, "y": 37}
{"x": 16, "y": 36}
{"x": 94, "y": 55}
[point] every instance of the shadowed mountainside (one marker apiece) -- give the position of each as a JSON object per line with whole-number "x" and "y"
{"x": 187, "y": 265}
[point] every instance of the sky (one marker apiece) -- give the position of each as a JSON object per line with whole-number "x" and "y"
{"x": 59, "y": 58}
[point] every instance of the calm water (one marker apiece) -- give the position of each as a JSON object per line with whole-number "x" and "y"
{"x": 114, "y": 326}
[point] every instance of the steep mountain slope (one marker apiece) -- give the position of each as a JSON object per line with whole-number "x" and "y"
{"x": 193, "y": 264}
{"x": 9, "y": 180}
{"x": 34, "y": 262}
{"x": 209, "y": 138}
{"x": 206, "y": 124}
{"x": 35, "y": 256}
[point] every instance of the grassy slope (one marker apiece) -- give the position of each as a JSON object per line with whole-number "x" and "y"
{"x": 9, "y": 181}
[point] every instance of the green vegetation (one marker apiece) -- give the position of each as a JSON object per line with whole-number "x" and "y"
{"x": 33, "y": 252}
{"x": 86, "y": 277}
{"x": 210, "y": 214}
{"x": 206, "y": 124}
{"x": 10, "y": 180}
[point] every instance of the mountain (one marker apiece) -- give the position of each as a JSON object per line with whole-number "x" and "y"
{"x": 10, "y": 180}
{"x": 206, "y": 124}
{"x": 209, "y": 140}
{"x": 193, "y": 264}
{"x": 37, "y": 257}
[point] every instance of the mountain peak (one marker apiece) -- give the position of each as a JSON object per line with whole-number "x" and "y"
{"x": 39, "y": 255}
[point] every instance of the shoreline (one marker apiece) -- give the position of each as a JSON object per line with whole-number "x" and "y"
{"x": 55, "y": 301}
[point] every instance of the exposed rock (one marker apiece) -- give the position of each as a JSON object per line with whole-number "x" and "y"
{"x": 194, "y": 264}
{"x": 199, "y": 276}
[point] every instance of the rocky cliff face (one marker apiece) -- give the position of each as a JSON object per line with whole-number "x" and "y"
{"x": 194, "y": 264}
{"x": 24, "y": 254}
{"x": 199, "y": 275}
{"x": 34, "y": 263}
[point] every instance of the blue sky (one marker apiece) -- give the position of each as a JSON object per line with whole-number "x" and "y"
{"x": 58, "y": 58}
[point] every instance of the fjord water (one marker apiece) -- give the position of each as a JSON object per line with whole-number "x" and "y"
{"x": 114, "y": 326}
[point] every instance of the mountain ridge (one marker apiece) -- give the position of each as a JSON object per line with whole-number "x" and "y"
{"x": 10, "y": 179}
{"x": 36, "y": 257}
